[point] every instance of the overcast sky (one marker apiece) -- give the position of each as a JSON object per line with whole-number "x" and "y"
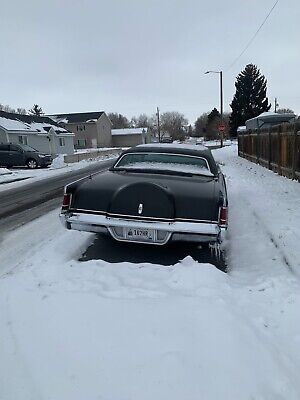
{"x": 131, "y": 56}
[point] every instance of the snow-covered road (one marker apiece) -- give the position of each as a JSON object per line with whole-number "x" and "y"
{"x": 94, "y": 330}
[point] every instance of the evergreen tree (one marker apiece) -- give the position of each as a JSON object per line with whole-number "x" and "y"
{"x": 250, "y": 98}
{"x": 213, "y": 116}
{"x": 36, "y": 110}
{"x": 213, "y": 120}
{"x": 200, "y": 125}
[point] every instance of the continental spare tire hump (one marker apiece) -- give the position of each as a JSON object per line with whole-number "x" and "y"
{"x": 143, "y": 199}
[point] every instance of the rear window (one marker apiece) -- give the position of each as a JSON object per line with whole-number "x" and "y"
{"x": 4, "y": 147}
{"x": 165, "y": 162}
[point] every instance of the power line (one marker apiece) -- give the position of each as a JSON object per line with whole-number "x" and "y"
{"x": 254, "y": 36}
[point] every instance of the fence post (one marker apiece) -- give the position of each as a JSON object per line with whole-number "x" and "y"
{"x": 241, "y": 135}
{"x": 279, "y": 171}
{"x": 294, "y": 151}
{"x": 257, "y": 145}
{"x": 269, "y": 148}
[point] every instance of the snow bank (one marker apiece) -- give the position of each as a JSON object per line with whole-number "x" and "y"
{"x": 4, "y": 171}
{"x": 58, "y": 162}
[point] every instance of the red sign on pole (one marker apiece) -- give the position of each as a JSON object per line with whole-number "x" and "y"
{"x": 221, "y": 127}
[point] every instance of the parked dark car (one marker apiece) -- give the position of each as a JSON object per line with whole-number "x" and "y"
{"x": 154, "y": 194}
{"x": 16, "y": 155}
{"x": 166, "y": 139}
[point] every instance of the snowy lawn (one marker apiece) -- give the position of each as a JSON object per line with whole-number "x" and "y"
{"x": 94, "y": 330}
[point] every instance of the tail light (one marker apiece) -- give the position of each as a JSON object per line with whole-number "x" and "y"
{"x": 223, "y": 216}
{"x": 66, "y": 202}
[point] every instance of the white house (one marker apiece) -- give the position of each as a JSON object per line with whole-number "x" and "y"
{"x": 41, "y": 133}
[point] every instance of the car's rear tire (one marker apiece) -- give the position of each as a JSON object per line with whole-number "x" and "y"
{"x": 218, "y": 256}
{"x": 32, "y": 163}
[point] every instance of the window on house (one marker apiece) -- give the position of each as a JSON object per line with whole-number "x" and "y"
{"x": 23, "y": 139}
{"x": 61, "y": 141}
{"x": 81, "y": 143}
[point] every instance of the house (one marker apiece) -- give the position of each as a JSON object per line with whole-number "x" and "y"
{"x": 91, "y": 129}
{"x": 241, "y": 129}
{"x": 39, "y": 132}
{"x": 129, "y": 137}
{"x": 268, "y": 119}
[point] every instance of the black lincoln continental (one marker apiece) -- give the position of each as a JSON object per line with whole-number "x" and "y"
{"x": 154, "y": 193}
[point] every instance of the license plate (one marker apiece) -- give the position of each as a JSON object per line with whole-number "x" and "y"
{"x": 139, "y": 235}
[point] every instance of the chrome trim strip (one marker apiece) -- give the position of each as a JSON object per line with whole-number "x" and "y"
{"x": 177, "y": 226}
{"x": 137, "y": 218}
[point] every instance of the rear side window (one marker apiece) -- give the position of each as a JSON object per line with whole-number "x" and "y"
{"x": 4, "y": 147}
{"x": 14, "y": 148}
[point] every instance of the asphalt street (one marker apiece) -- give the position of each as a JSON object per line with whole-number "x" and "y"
{"x": 22, "y": 204}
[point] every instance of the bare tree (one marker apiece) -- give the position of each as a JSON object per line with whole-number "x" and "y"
{"x": 118, "y": 121}
{"x": 9, "y": 109}
{"x": 174, "y": 123}
{"x": 21, "y": 110}
{"x": 142, "y": 121}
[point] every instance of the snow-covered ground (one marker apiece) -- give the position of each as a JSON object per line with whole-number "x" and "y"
{"x": 93, "y": 330}
{"x": 92, "y": 149}
{"x": 22, "y": 176}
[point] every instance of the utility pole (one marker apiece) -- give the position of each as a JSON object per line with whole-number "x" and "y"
{"x": 221, "y": 105}
{"x": 158, "y": 124}
{"x": 221, "y": 101}
{"x": 275, "y": 105}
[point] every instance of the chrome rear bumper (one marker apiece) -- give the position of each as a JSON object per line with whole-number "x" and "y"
{"x": 165, "y": 231}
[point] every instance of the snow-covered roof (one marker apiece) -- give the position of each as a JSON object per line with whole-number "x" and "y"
{"x": 13, "y": 125}
{"x": 242, "y": 128}
{"x": 83, "y": 117}
{"x": 129, "y": 131}
{"x": 273, "y": 115}
{"x": 29, "y": 123}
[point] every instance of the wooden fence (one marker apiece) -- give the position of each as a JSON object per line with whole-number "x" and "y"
{"x": 276, "y": 148}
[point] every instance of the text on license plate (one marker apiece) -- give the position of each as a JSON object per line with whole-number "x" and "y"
{"x": 143, "y": 235}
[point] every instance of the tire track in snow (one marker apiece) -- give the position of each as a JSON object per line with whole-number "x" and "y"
{"x": 259, "y": 222}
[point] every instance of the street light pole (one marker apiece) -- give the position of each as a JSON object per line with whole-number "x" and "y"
{"x": 221, "y": 98}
